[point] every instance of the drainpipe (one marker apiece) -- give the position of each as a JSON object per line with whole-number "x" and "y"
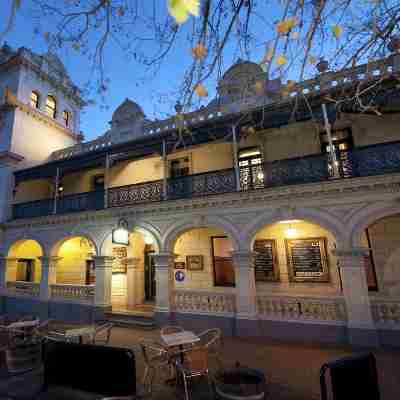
{"x": 235, "y": 157}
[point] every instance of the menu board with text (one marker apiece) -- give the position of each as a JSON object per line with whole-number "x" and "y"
{"x": 265, "y": 265}
{"x": 307, "y": 260}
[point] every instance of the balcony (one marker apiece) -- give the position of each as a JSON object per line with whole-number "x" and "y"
{"x": 371, "y": 160}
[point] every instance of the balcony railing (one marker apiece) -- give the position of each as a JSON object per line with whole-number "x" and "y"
{"x": 365, "y": 161}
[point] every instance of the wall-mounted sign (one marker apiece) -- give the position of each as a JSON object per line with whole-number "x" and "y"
{"x": 307, "y": 260}
{"x": 265, "y": 260}
{"x": 120, "y": 236}
{"x": 179, "y": 265}
{"x": 195, "y": 263}
{"x": 120, "y": 255}
{"x": 179, "y": 276}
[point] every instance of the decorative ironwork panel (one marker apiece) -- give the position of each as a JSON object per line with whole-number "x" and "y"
{"x": 376, "y": 159}
{"x": 298, "y": 170}
{"x": 81, "y": 202}
{"x": 202, "y": 184}
{"x": 134, "y": 194}
{"x": 252, "y": 176}
{"x": 33, "y": 209}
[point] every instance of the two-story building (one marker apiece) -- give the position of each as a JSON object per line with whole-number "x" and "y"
{"x": 252, "y": 213}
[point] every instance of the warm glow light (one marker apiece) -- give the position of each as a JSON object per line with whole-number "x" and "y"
{"x": 290, "y": 221}
{"x": 148, "y": 239}
{"x": 291, "y": 233}
{"x": 120, "y": 236}
{"x": 260, "y": 176}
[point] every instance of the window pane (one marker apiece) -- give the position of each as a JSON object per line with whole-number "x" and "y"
{"x": 34, "y": 100}
{"x": 51, "y": 106}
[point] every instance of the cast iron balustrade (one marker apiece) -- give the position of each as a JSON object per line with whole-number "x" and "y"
{"x": 33, "y": 209}
{"x": 81, "y": 202}
{"x": 135, "y": 194}
{"x": 215, "y": 182}
{"x": 365, "y": 161}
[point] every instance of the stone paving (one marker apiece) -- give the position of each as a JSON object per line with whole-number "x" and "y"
{"x": 291, "y": 370}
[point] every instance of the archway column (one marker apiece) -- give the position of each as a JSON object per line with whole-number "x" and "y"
{"x": 162, "y": 264}
{"x": 103, "y": 270}
{"x": 11, "y": 269}
{"x": 135, "y": 281}
{"x": 246, "y": 296}
{"x": 48, "y": 275}
{"x": 361, "y": 327}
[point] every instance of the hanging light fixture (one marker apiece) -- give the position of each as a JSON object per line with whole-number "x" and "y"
{"x": 120, "y": 235}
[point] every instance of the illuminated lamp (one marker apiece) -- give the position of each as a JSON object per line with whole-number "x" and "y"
{"x": 120, "y": 235}
{"x": 148, "y": 239}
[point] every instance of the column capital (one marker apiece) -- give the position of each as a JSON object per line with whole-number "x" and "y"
{"x": 243, "y": 258}
{"x": 103, "y": 261}
{"x": 164, "y": 260}
{"x": 49, "y": 259}
{"x": 132, "y": 263}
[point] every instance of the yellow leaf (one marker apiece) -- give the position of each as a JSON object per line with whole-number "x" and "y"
{"x": 312, "y": 60}
{"x": 337, "y": 30}
{"x": 200, "y": 90}
{"x": 281, "y": 60}
{"x": 199, "y": 51}
{"x": 180, "y": 9}
{"x": 286, "y": 25}
{"x": 259, "y": 87}
{"x": 291, "y": 22}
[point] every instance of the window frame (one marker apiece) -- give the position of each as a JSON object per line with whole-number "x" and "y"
{"x": 34, "y": 104}
{"x": 51, "y": 111}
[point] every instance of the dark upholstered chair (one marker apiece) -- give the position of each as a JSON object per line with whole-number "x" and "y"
{"x": 87, "y": 372}
{"x": 352, "y": 377}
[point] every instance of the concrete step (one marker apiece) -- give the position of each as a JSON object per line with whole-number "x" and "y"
{"x": 134, "y": 319}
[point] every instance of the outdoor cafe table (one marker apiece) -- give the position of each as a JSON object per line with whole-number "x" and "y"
{"x": 179, "y": 340}
{"x": 71, "y": 331}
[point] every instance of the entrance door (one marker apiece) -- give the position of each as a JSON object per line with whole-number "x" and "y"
{"x": 25, "y": 270}
{"x": 149, "y": 275}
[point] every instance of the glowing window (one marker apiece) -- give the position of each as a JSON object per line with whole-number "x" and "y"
{"x": 51, "y": 106}
{"x": 66, "y": 117}
{"x": 35, "y": 99}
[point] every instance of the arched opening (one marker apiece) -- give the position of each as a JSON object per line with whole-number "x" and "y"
{"x": 76, "y": 265}
{"x": 133, "y": 273}
{"x": 204, "y": 259}
{"x": 382, "y": 265}
{"x": 295, "y": 256}
{"x": 24, "y": 261}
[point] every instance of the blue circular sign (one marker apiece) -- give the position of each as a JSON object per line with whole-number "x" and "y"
{"x": 179, "y": 276}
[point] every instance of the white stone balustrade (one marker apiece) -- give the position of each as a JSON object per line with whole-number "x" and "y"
{"x": 200, "y": 302}
{"x": 315, "y": 309}
{"x": 20, "y": 288}
{"x": 386, "y": 312}
{"x": 74, "y": 293}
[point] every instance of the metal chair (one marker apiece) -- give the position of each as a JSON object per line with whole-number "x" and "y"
{"x": 155, "y": 357}
{"x": 211, "y": 339}
{"x": 103, "y": 333}
{"x": 171, "y": 329}
{"x": 352, "y": 377}
{"x": 195, "y": 364}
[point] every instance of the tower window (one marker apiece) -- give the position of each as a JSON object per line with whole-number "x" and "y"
{"x": 51, "y": 105}
{"x": 35, "y": 99}
{"x": 66, "y": 117}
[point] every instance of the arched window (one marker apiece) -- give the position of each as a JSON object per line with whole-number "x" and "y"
{"x": 51, "y": 106}
{"x": 67, "y": 118}
{"x": 35, "y": 99}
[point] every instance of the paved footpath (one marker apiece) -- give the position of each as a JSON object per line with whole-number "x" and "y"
{"x": 292, "y": 370}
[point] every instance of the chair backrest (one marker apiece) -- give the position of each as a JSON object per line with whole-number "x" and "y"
{"x": 352, "y": 377}
{"x": 170, "y": 329}
{"x": 211, "y": 338}
{"x": 108, "y": 371}
{"x": 151, "y": 348}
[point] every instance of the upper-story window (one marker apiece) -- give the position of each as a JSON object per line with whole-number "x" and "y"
{"x": 51, "y": 106}
{"x": 251, "y": 168}
{"x": 67, "y": 118}
{"x": 179, "y": 167}
{"x": 34, "y": 99}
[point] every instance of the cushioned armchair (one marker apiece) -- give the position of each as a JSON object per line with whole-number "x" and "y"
{"x": 87, "y": 372}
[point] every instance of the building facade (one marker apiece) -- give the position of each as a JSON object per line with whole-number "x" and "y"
{"x": 239, "y": 214}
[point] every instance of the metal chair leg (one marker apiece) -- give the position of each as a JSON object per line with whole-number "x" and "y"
{"x": 186, "y": 388}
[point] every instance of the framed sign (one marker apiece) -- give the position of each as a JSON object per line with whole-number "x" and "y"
{"x": 179, "y": 265}
{"x": 120, "y": 255}
{"x": 180, "y": 276}
{"x": 194, "y": 263}
{"x": 265, "y": 260}
{"x": 307, "y": 260}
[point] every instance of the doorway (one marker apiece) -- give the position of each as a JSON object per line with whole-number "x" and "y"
{"x": 25, "y": 270}
{"x": 149, "y": 274}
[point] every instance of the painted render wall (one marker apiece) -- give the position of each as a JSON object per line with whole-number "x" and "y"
{"x": 36, "y": 189}
{"x": 304, "y": 230}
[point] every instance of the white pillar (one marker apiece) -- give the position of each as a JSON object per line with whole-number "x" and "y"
{"x": 48, "y": 275}
{"x": 3, "y": 274}
{"x": 11, "y": 269}
{"x": 162, "y": 263}
{"x": 134, "y": 282}
{"x": 103, "y": 269}
{"x": 246, "y": 296}
{"x": 361, "y": 327}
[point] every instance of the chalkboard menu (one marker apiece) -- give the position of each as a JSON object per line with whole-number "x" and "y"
{"x": 307, "y": 260}
{"x": 265, "y": 267}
